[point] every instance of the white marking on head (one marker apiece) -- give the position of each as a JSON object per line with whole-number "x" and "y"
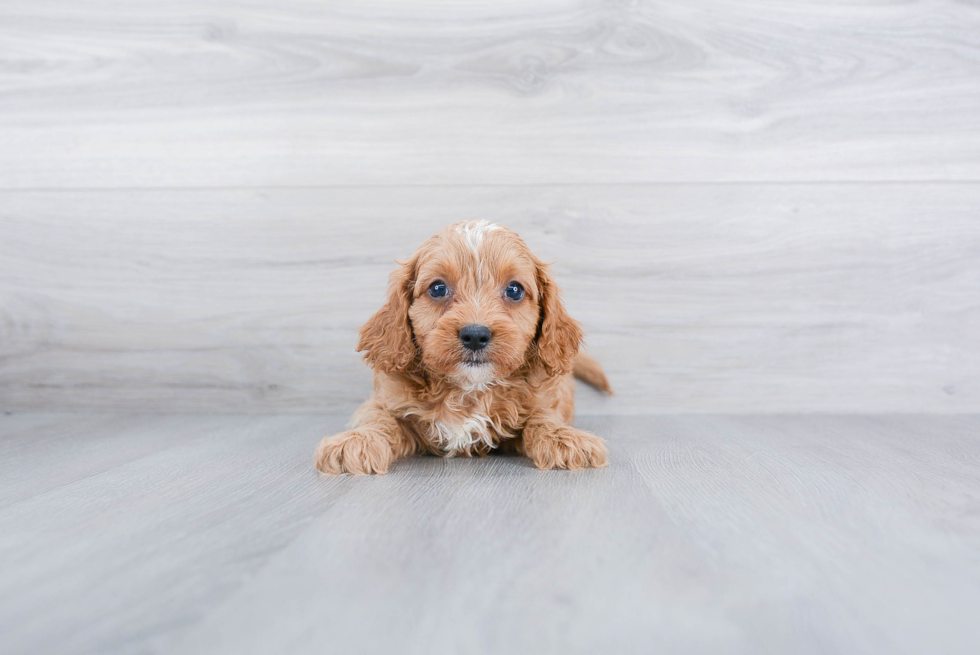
{"x": 473, "y": 232}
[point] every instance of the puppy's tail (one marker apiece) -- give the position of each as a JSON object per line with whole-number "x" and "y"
{"x": 588, "y": 370}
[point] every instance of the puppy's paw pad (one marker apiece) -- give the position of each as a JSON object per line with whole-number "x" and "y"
{"x": 354, "y": 452}
{"x": 568, "y": 448}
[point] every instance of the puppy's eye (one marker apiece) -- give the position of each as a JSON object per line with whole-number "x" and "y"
{"x": 438, "y": 289}
{"x": 514, "y": 291}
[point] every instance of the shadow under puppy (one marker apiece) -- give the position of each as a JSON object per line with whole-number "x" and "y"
{"x": 472, "y": 350}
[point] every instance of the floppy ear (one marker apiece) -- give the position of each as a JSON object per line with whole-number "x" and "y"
{"x": 559, "y": 335}
{"x": 386, "y": 339}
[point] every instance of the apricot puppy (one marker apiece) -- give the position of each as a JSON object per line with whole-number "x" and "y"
{"x": 472, "y": 350}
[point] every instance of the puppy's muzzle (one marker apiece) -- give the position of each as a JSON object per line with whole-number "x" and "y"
{"x": 475, "y": 337}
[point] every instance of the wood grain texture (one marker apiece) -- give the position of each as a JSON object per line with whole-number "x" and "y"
{"x": 129, "y": 528}
{"x": 119, "y": 93}
{"x": 696, "y": 298}
{"x": 754, "y": 534}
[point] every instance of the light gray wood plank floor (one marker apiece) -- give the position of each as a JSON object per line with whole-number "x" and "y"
{"x": 754, "y": 534}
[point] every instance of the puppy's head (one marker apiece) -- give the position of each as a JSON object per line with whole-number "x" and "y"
{"x": 473, "y": 305}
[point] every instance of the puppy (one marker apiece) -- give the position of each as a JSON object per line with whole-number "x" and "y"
{"x": 472, "y": 350}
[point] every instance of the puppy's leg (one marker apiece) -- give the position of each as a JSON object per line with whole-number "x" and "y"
{"x": 375, "y": 441}
{"x": 551, "y": 444}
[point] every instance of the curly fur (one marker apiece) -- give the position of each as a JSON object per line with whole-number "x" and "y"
{"x": 433, "y": 396}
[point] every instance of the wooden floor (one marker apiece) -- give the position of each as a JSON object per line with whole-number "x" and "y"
{"x": 764, "y": 213}
{"x": 753, "y": 534}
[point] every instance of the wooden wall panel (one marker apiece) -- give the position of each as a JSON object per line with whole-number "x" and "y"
{"x": 210, "y": 93}
{"x": 754, "y": 206}
{"x": 697, "y": 298}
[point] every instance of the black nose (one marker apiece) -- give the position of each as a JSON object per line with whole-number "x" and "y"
{"x": 475, "y": 337}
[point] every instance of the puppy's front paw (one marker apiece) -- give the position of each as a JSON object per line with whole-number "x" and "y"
{"x": 568, "y": 448}
{"x": 356, "y": 452}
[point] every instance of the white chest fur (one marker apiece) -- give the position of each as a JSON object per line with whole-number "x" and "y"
{"x": 455, "y": 438}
